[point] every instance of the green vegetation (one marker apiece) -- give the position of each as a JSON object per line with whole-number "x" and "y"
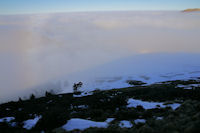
{"x": 57, "y": 109}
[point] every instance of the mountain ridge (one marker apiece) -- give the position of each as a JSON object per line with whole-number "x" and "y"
{"x": 192, "y": 10}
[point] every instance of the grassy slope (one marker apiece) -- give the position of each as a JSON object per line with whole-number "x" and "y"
{"x": 57, "y": 109}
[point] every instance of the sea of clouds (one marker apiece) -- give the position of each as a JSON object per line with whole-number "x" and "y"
{"x": 38, "y": 48}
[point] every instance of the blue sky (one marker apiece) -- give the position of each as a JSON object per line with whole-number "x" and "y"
{"x": 43, "y": 6}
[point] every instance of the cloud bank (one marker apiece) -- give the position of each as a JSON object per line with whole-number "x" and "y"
{"x": 38, "y": 48}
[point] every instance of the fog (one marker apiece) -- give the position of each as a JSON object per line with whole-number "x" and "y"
{"x": 40, "y": 48}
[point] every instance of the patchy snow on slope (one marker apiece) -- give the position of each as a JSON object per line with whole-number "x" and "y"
{"x": 148, "y": 68}
{"x": 188, "y": 87}
{"x": 139, "y": 121}
{"x": 149, "y": 105}
{"x": 7, "y": 119}
{"x": 83, "y": 94}
{"x": 125, "y": 124}
{"x": 174, "y": 105}
{"x": 82, "y": 124}
{"x": 29, "y": 124}
{"x": 108, "y": 120}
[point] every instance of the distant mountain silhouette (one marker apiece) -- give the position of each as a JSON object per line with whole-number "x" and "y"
{"x": 192, "y": 10}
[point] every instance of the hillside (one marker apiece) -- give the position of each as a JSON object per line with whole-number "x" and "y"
{"x": 148, "y": 68}
{"x": 170, "y": 106}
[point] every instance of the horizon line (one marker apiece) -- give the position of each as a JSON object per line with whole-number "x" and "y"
{"x": 89, "y": 11}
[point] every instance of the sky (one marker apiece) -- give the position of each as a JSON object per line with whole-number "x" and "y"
{"x": 48, "y": 6}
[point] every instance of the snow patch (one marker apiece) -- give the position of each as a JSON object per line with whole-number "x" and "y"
{"x": 159, "y": 118}
{"x": 82, "y": 124}
{"x": 29, "y": 124}
{"x": 188, "y": 87}
{"x": 7, "y": 119}
{"x": 13, "y": 124}
{"x": 174, "y": 105}
{"x": 125, "y": 124}
{"x": 83, "y": 94}
{"x": 149, "y": 105}
{"x": 108, "y": 120}
{"x": 139, "y": 121}
{"x": 82, "y": 106}
{"x": 7, "y": 109}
